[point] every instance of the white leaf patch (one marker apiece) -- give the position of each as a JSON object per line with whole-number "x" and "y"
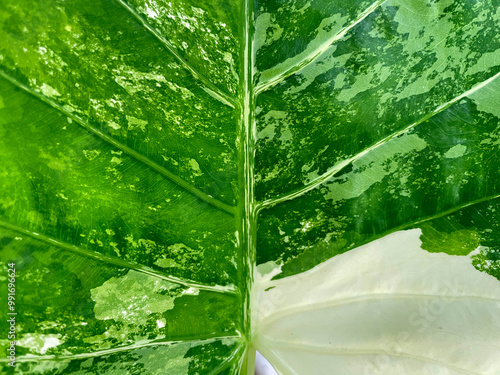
{"x": 387, "y": 308}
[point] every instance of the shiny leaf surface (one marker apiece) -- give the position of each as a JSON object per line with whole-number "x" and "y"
{"x": 183, "y": 183}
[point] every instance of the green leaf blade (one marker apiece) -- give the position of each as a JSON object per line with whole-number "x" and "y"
{"x": 442, "y": 165}
{"x": 382, "y": 77}
{"x": 91, "y": 62}
{"x": 71, "y": 186}
{"x": 205, "y": 33}
{"x": 74, "y": 307}
{"x": 177, "y": 359}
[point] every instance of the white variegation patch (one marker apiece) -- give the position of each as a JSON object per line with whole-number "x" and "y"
{"x": 388, "y": 308}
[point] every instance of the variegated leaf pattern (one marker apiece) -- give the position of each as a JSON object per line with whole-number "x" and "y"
{"x": 185, "y": 182}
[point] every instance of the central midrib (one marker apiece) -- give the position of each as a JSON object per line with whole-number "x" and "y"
{"x": 246, "y": 204}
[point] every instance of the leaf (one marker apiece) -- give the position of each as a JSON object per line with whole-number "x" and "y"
{"x": 183, "y": 183}
{"x": 385, "y": 308}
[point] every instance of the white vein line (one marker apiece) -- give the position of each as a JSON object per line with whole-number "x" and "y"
{"x": 98, "y": 353}
{"x": 311, "y": 57}
{"x": 131, "y": 152}
{"x": 228, "y": 289}
{"x": 210, "y": 88}
{"x": 338, "y": 167}
{"x": 324, "y": 349}
{"x": 296, "y": 310}
{"x": 247, "y": 136}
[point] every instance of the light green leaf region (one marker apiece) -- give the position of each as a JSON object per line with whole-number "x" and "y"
{"x": 39, "y": 343}
{"x": 120, "y": 298}
{"x": 374, "y": 167}
{"x": 455, "y": 152}
{"x": 486, "y": 99}
{"x": 185, "y": 182}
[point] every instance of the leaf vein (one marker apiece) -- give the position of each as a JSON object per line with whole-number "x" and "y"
{"x": 230, "y": 289}
{"x": 98, "y": 353}
{"x": 323, "y": 349}
{"x": 214, "y": 90}
{"x": 348, "y": 300}
{"x": 311, "y": 185}
{"x": 131, "y": 152}
{"x": 313, "y": 55}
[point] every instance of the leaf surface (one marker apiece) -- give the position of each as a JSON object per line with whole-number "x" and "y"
{"x": 384, "y": 308}
{"x": 168, "y": 168}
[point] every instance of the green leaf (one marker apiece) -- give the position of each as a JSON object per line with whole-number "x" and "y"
{"x": 185, "y": 182}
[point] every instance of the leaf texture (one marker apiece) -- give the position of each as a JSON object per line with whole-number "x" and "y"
{"x": 168, "y": 168}
{"x": 435, "y": 315}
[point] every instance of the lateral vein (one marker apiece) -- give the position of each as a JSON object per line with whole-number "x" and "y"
{"x": 131, "y": 152}
{"x": 296, "y": 310}
{"x": 313, "y": 55}
{"x": 337, "y": 351}
{"x": 338, "y": 167}
{"x": 229, "y": 289}
{"x": 415, "y": 223}
{"x": 98, "y": 353}
{"x": 213, "y": 89}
